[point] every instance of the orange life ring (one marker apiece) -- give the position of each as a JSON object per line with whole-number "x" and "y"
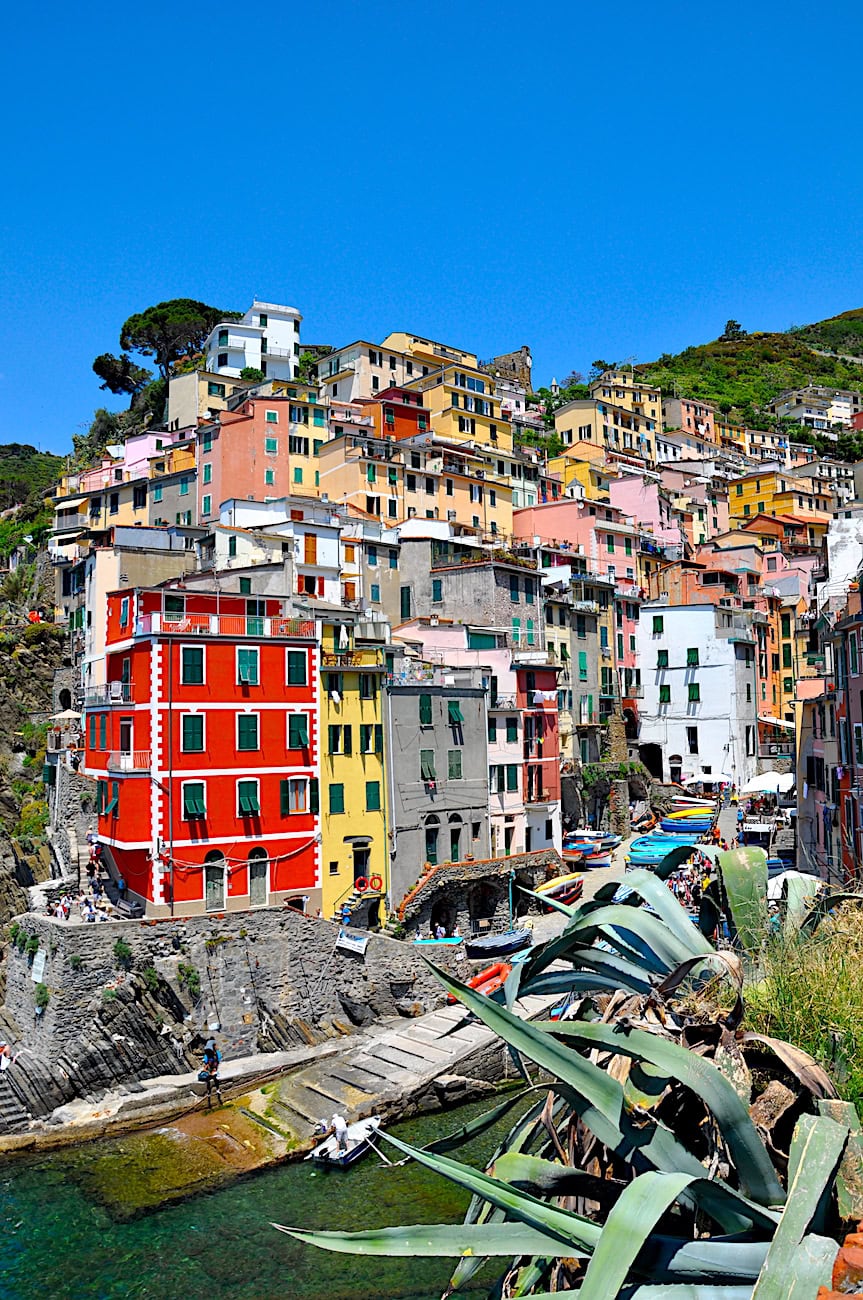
{"x": 361, "y": 884}
{"x": 376, "y": 884}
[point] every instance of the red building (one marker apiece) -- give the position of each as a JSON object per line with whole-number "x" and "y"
{"x": 536, "y": 696}
{"x": 205, "y": 749}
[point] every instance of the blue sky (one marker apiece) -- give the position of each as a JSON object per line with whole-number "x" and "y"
{"x": 593, "y": 181}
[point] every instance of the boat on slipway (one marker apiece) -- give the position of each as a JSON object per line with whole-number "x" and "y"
{"x": 498, "y": 945}
{"x": 357, "y": 1144}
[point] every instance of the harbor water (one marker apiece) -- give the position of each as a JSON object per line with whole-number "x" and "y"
{"x": 68, "y": 1229}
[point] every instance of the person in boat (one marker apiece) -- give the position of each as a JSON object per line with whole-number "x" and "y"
{"x": 210, "y": 1071}
{"x": 340, "y": 1132}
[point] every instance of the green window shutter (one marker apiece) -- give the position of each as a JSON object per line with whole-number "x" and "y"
{"x": 192, "y": 665}
{"x": 590, "y": 707}
{"x": 334, "y": 740}
{"x": 193, "y": 800}
{"x": 365, "y": 738}
{"x": 370, "y": 474}
{"x": 425, "y": 710}
{"x": 113, "y": 804}
{"x": 297, "y": 660}
{"x": 92, "y": 723}
{"x": 454, "y": 711}
{"x": 373, "y": 796}
{"x": 298, "y": 731}
{"x": 658, "y": 624}
{"x": 454, "y": 764}
{"x": 100, "y": 797}
{"x": 582, "y": 665}
{"x": 694, "y": 692}
{"x": 103, "y": 731}
{"x": 314, "y": 796}
{"x": 492, "y": 730}
{"x": 692, "y": 658}
{"x": 786, "y": 656}
{"x": 284, "y": 797}
{"x": 337, "y": 798}
{"x": 247, "y": 666}
{"x": 392, "y": 475}
{"x": 662, "y": 658}
{"x": 512, "y": 731}
{"x": 247, "y": 731}
{"x": 665, "y": 695}
{"x": 347, "y": 740}
{"x": 192, "y": 733}
{"x": 512, "y": 777}
{"x": 437, "y": 590}
{"x": 247, "y": 794}
{"x": 379, "y": 738}
{"x": 427, "y": 767}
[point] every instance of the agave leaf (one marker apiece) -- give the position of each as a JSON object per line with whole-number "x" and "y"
{"x": 804, "y": 1067}
{"x": 797, "y": 1263}
{"x": 477, "y": 1125}
{"x": 566, "y": 908}
{"x": 849, "y": 1179}
{"x": 593, "y": 1094}
{"x": 824, "y": 906}
{"x": 640, "y": 932}
{"x": 744, "y": 875}
{"x": 669, "y": 1291}
{"x": 550, "y": 1178}
{"x": 658, "y": 896}
{"x": 757, "y": 1176}
{"x": 799, "y": 892}
{"x": 469, "y": 1240}
{"x": 629, "y": 1224}
{"x": 575, "y": 981}
{"x": 545, "y": 954}
{"x": 674, "y": 859}
{"x": 731, "y": 962}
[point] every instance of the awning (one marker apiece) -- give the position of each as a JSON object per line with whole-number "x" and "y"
{"x": 775, "y": 722}
{"x": 71, "y": 505}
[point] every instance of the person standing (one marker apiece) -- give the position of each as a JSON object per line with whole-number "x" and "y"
{"x": 212, "y": 1060}
{"x": 340, "y": 1131}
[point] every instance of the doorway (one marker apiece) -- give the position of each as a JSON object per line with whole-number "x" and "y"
{"x": 651, "y": 757}
{"x": 258, "y": 878}
{"x": 214, "y": 882}
{"x": 362, "y": 858}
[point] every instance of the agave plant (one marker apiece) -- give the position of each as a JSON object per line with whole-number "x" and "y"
{"x": 661, "y": 1151}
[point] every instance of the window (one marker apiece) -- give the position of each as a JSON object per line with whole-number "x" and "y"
{"x": 427, "y": 765}
{"x": 454, "y": 764}
{"x": 297, "y": 664}
{"x": 528, "y": 591}
{"x": 293, "y": 795}
{"x": 208, "y": 472}
{"x": 376, "y": 594}
{"x": 513, "y": 588}
{"x": 192, "y": 665}
{"x": 373, "y": 796}
{"x": 512, "y": 777}
{"x": 271, "y": 447}
{"x": 580, "y": 626}
{"x": 184, "y": 487}
{"x": 786, "y": 619}
{"x": 207, "y": 505}
{"x": 662, "y": 658}
{"x": 694, "y": 693}
{"x": 248, "y": 804}
{"x": 582, "y": 666}
{"x": 658, "y": 624}
{"x": 492, "y": 730}
{"x": 786, "y": 657}
{"x": 340, "y": 740}
{"x": 157, "y": 492}
{"x": 455, "y": 715}
{"x": 692, "y": 739}
{"x": 437, "y": 590}
{"x": 368, "y": 686}
{"x": 511, "y": 731}
{"x": 272, "y": 417}
{"x": 852, "y": 654}
{"x": 215, "y": 390}
{"x": 247, "y": 731}
{"x": 193, "y": 800}
{"x": 192, "y": 733}
{"x": 665, "y": 695}
{"x": 124, "y": 612}
{"x": 337, "y": 797}
{"x": 405, "y": 602}
{"x": 298, "y": 731}
{"x": 247, "y": 666}
{"x": 425, "y": 710}
{"x": 431, "y": 844}
{"x": 692, "y": 657}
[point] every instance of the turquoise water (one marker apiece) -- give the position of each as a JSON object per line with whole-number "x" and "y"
{"x": 58, "y": 1240}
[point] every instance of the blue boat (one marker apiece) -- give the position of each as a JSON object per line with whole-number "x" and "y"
{"x": 498, "y": 945}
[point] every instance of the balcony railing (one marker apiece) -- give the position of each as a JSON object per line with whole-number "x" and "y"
{"x": 352, "y": 659}
{"x": 634, "y": 691}
{"x": 132, "y": 760}
{"x": 503, "y": 702}
{"x": 230, "y": 625}
{"x": 111, "y": 693}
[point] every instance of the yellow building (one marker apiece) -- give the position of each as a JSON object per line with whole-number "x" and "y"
{"x": 586, "y": 465}
{"x": 621, "y": 416}
{"x": 353, "y": 787}
{"x": 772, "y": 492}
{"x": 463, "y": 406}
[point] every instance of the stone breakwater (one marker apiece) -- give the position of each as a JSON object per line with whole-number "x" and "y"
{"x": 132, "y": 999}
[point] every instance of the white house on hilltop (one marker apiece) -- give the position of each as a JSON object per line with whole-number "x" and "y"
{"x": 266, "y": 338}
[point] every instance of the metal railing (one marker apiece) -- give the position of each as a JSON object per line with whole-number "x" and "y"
{"x": 132, "y": 760}
{"x": 225, "y": 625}
{"x": 352, "y": 659}
{"x": 110, "y": 693}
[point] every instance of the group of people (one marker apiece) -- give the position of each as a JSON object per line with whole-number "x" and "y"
{"x": 91, "y": 904}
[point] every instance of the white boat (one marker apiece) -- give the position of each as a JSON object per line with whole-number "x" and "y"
{"x": 328, "y": 1153}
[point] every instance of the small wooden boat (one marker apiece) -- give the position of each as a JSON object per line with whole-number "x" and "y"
{"x": 559, "y": 884}
{"x": 488, "y": 981}
{"x": 328, "y": 1153}
{"x": 498, "y": 945}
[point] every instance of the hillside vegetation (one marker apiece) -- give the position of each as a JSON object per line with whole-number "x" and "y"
{"x": 741, "y": 375}
{"x": 841, "y": 334}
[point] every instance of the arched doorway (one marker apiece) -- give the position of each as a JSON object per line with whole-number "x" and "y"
{"x": 65, "y": 699}
{"x": 651, "y": 757}
{"x": 455, "y": 824}
{"x": 482, "y": 905}
{"x": 215, "y": 874}
{"x": 258, "y": 872}
{"x": 432, "y": 834}
{"x": 443, "y": 914}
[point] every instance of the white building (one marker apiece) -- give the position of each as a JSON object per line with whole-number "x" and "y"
{"x": 698, "y": 673}
{"x": 267, "y": 338}
{"x": 306, "y": 530}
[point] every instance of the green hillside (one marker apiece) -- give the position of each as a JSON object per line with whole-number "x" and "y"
{"x": 27, "y": 476}
{"x": 841, "y": 334}
{"x": 740, "y": 375}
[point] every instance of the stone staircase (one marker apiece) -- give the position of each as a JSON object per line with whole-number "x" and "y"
{"x": 13, "y": 1116}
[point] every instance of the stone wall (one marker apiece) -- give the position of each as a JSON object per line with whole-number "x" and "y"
{"x": 468, "y": 893}
{"x": 268, "y": 980}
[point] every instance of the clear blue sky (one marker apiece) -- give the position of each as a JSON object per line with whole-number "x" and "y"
{"x": 595, "y": 181}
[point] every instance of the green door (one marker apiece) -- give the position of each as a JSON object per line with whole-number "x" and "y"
{"x": 258, "y": 880}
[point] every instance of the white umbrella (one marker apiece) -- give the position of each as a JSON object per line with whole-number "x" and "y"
{"x": 811, "y": 885}
{"x": 766, "y": 783}
{"x": 68, "y": 715}
{"x": 786, "y": 782}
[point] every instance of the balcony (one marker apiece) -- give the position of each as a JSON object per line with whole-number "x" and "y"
{"x": 352, "y": 659}
{"x": 503, "y": 702}
{"x": 585, "y": 606}
{"x": 635, "y": 691}
{"x": 228, "y": 625}
{"x": 112, "y": 693}
{"x": 130, "y": 761}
